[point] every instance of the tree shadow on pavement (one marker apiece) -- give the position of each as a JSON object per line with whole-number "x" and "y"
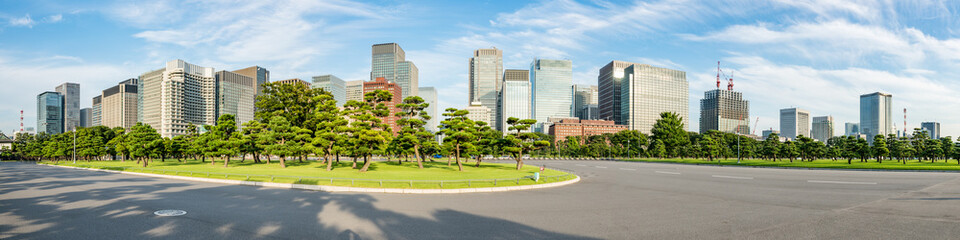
{"x": 55, "y": 203}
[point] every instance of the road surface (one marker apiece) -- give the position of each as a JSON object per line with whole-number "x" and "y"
{"x": 614, "y": 200}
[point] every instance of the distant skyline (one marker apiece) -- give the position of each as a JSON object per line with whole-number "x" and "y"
{"x": 819, "y": 55}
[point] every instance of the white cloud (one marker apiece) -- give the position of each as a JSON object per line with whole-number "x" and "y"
{"x": 25, "y": 21}
{"x": 53, "y": 18}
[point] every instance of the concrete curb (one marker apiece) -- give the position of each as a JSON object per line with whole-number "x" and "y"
{"x": 338, "y": 188}
{"x": 799, "y": 168}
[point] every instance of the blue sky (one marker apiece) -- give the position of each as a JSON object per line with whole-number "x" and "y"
{"x": 819, "y": 55}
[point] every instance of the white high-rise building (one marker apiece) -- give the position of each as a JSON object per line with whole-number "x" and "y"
{"x": 182, "y": 94}
{"x": 550, "y": 90}
{"x": 794, "y": 122}
{"x": 429, "y": 95}
{"x": 822, "y": 128}
{"x": 334, "y": 85}
{"x": 389, "y": 62}
{"x": 485, "y": 72}
{"x": 635, "y": 94}
{"x": 876, "y": 117}
{"x": 71, "y": 105}
{"x": 514, "y": 97}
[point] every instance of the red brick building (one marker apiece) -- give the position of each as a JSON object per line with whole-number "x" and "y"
{"x": 382, "y": 84}
{"x": 582, "y": 128}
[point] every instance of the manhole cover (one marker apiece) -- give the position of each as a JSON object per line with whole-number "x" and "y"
{"x": 169, "y": 213}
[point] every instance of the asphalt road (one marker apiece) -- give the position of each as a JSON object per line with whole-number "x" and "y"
{"x": 614, "y": 200}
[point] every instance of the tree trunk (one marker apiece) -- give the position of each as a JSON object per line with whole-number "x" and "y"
{"x": 366, "y": 163}
{"x": 268, "y": 159}
{"x": 354, "y": 162}
{"x": 213, "y": 161}
{"x": 145, "y": 162}
{"x": 479, "y": 158}
{"x": 329, "y": 163}
{"x": 226, "y": 161}
{"x": 520, "y": 159}
{"x": 283, "y": 163}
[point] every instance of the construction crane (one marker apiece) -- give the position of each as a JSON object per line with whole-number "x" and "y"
{"x": 728, "y": 78}
{"x": 755, "y": 126}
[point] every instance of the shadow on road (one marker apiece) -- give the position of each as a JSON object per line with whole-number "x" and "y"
{"x": 42, "y": 202}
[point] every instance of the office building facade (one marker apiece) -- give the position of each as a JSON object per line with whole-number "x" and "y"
{"x": 635, "y": 94}
{"x": 294, "y": 81}
{"x": 932, "y": 129}
{"x": 876, "y": 117}
{"x": 550, "y": 90}
{"x": 514, "y": 100}
{"x": 822, "y": 128}
{"x": 485, "y": 73}
{"x": 794, "y": 122}
{"x": 583, "y": 96}
{"x": 86, "y": 117}
{"x": 118, "y": 107}
{"x": 258, "y": 74}
{"x": 50, "y": 113}
{"x": 236, "y": 95}
{"x": 96, "y": 111}
{"x": 582, "y": 128}
{"x": 71, "y": 105}
{"x": 725, "y": 111}
{"x": 429, "y": 95}
{"x": 389, "y": 62}
{"x": 333, "y": 85}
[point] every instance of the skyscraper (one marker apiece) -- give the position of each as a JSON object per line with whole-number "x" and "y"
{"x": 71, "y": 105}
{"x": 96, "y": 111}
{"x": 608, "y": 90}
{"x": 851, "y": 129}
{"x": 354, "y": 90}
{"x": 177, "y": 96}
{"x": 393, "y": 88}
{"x": 258, "y": 74}
{"x": 583, "y": 97}
{"x": 822, "y": 128}
{"x": 932, "y": 129}
{"x": 119, "y": 105}
{"x": 550, "y": 90}
{"x": 85, "y": 117}
{"x": 50, "y": 113}
{"x": 429, "y": 95}
{"x": 485, "y": 69}
{"x": 875, "y": 115}
{"x": 725, "y": 111}
{"x": 635, "y": 94}
{"x": 794, "y": 122}
{"x": 332, "y": 84}
{"x": 236, "y": 95}
{"x": 514, "y": 100}
{"x": 389, "y": 62}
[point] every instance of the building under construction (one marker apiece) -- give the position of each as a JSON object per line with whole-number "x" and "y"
{"x": 724, "y": 110}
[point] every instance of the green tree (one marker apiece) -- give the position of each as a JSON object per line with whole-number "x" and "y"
{"x": 669, "y": 129}
{"x": 880, "y": 147}
{"x": 142, "y": 141}
{"x": 459, "y": 133}
{"x": 368, "y": 134}
{"x": 328, "y": 139}
{"x": 520, "y": 141}
{"x": 412, "y": 133}
{"x": 279, "y": 134}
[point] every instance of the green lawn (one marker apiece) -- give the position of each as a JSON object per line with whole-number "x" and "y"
{"x": 406, "y": 175}
{"x": 950, "y": 165}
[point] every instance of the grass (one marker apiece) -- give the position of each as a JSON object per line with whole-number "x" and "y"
{"x": 940, "y": 165}
{"x": 380, "y": 174}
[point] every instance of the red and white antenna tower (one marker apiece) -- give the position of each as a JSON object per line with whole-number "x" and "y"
{"x": 21, "y": 120}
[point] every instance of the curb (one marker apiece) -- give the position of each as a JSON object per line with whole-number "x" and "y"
{"x": 323, "y": 188}
{"x": 798, "y": 168}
